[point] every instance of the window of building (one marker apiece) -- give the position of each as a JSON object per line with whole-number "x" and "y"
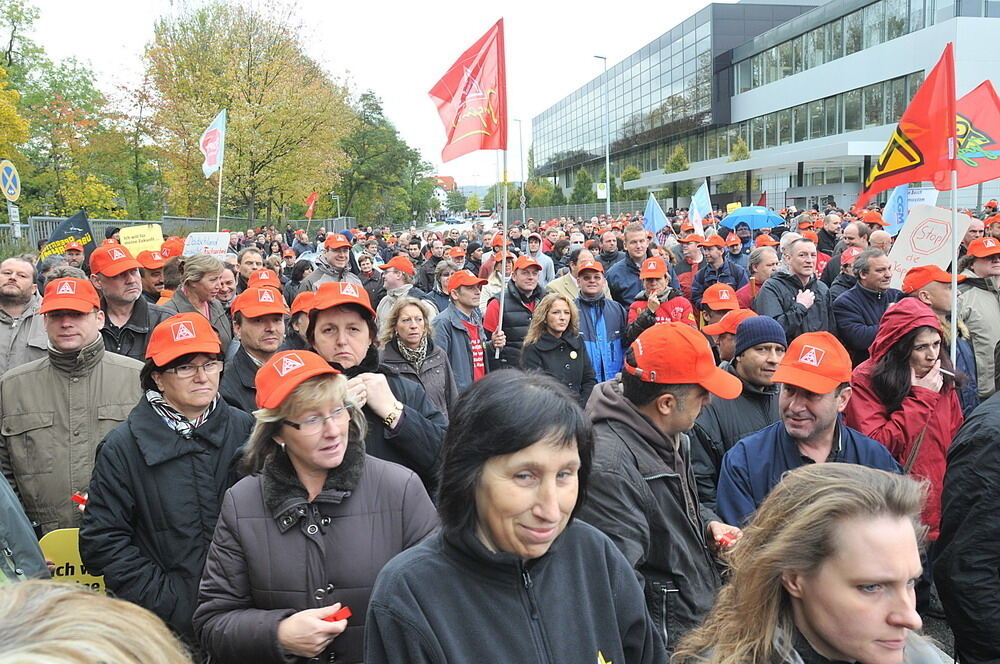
{"x": 798, "y": 54}
{"x": 744, "y": 79}
{"x": 913, "y": 82}
{"x": 815, "y": 48}
{"x": 771, "y": 65}
{"x": 832, "y": 113}
{"x": 853, "y": 32}
{"x": 852, "y": 110}
{"x": 874, "y": 111}
{"x": 895, "y": 100}
{"x": 817, "y": 119}
{"x": 800, "y": 123}
{"x": 770, "y": 130}
{"x": 895, "y": 18}
{"x": 873, "y": 32}
{"x": 834, "y": 39}
{"x": 784, "y": 126}
{"x": 993, "y": 8}
{"x": 943, "y": 10}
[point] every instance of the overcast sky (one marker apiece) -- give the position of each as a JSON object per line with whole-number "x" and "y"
{"x": 400, "y": 49}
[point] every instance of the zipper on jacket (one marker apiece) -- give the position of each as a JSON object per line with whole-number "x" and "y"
{"x": 664, "y": 594}
{"x": 537, "y": 633}
{"x": 526, "y": 577}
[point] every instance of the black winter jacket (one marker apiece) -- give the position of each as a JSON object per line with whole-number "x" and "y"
{"x": 841, "y": 284}
{"x": 452, "y": 601}
{"x": 275, "y": 553}
{"x": 516, "y": 318}
{"x": 132, "y": 338}
{"x": 154, "y": 499}
{"x": 237, "y": 385}
{"x": 565, "y": 359}
{"x": 776, "y": 298}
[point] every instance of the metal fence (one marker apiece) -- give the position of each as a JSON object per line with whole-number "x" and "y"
{"x": 585, "y": 211}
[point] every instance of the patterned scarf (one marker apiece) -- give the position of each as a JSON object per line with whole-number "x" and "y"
{"x": 173, "y": 417}
{"x": 414, "y": 356}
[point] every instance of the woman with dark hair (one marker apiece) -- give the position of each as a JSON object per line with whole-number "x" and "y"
{"x": 160, "y": 476}
{"x": 308, "y": 530}
{"x": 274, "y": 248}
{"x": 904, "y": 397}
{"x": 553, "y": 345}
{"x": 559, "y": 255}
{"x": 403, "y": 424}
{"x": 438, "y": 295}
{"x": 512, "y": 576}
{"x": 302, "y": 269}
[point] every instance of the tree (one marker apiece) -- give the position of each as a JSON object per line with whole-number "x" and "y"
{"x": 678, "y": 161}
{"x": 531, "y": 162}
{"x": 456, "y": 201}
{"x": 13, "y": 127}
{"x": 739, "y": 150}
{"x": 583, "y": 189}
{"x": 558, "y": 196}
{"x": 630, "y": 173}
{"x": 472, "y": 204}
{"x": 539, "y": 192}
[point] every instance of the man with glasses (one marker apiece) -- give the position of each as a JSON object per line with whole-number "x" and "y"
{"x": 55, "y": 410}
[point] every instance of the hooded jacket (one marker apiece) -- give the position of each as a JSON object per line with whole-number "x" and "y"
{"x": 841, "y": 284}
{"x": 776, "y": 299}
{"x": 857, "y": 313}
{"x": 927, "y": 416}
{"x": 979, "y": 309}
{"x": 602, "y": 326}
{"x": 642, "y": 495}
{"x": 325, "y": 273}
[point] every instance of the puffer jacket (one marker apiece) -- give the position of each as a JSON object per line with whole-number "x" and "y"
{"x": 516, "y": 318}
{"x": 602, "y": 326}
{"x": 857, "y": 312}
{"x": 217, "y": 315}
{"x": 979, "y": 309}
{"x": 275, "y": 553}
{"x": 132, "y": 338}
{"x": 565, "y": 359}
{"x": 325, "y": 273}
{"x": 776, "y": 299}
{"x": 930, "y": 417}
{"x": 154, "y": 499}
{"x": 642, "y": 495}
{"x": 435, "y": 373}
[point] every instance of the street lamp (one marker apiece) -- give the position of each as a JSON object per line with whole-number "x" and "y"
{"x": 520, "y": 147}
{"x": 607, "y": 141}
{"x": 336, "y": 198}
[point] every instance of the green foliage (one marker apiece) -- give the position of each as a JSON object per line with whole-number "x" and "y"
{"x": 739, "y": 151}
{"x": 558, "y": 197}
{"x": 583, "y": 188}
{"x": 456, "y": 201}
{"x": 678, "y": 161}
{"x": 539, "y": 192}
{"x": 531, "y": 162}
{"x": 473, "y": 204}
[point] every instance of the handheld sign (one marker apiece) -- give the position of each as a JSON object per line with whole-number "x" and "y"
{"x": 144, "y": 237}
{"x": 925, "y": 239}
{"x": 63, "y": 548}
{"x": 216, "y": 244}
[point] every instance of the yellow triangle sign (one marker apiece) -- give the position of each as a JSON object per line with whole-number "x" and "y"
{"x": 901, "y": 154}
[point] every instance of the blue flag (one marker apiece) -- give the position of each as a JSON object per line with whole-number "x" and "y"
{"x": 897, "y": 207}
{"x": 653, "y": 218}
{"x": 700, "y": 208}
{"x": 213, "y": 144}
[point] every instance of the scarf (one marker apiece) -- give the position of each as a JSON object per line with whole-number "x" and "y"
{"x": 173, "y": 417}
{"x": 414, "y": 356}
{"x": 368, "y": 365}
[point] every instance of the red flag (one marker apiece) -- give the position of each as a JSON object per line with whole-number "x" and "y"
{"x": 762, "y": 201}
{"x": 978, "y": 136}
{"x": 921, "y": 147}
{"x": 471, "y": 98}
{"x": 311, "y": 205}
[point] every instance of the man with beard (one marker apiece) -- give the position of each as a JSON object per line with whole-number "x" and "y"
{"x": 22, "y": 328}
{"x": 74, "y": 254}
{"x": 259, "y": 324}
{"x": 128, "y": 317}
{"x": 151, "y": 272}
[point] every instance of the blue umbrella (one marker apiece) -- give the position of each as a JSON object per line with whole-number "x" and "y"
{"x": 754, "y": 216}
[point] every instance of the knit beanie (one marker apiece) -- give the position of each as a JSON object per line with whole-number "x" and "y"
{"x": 471, "y": 247}
{"x": 758, "y": 330}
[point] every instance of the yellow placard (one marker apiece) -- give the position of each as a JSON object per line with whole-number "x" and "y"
{"x": 63, "y": 548}
{"x": 147, "y": 237}
{"x": 733, "y": 206}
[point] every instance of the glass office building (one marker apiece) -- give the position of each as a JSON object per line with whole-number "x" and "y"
{"x": 813, "y": 90}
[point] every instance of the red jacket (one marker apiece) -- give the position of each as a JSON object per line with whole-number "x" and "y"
{"x": 937, "y": 414}
{"x": 677, "y": 309}
{"x": 745, "y": 295}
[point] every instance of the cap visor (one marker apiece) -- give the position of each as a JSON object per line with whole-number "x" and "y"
{"x": 715, "y": 328}
{"x": 174, "y": 351}
{"x": 807, "y": 380}
{"x": 66, "y": 303}
{"x": 262, "y": 310}
{"x": 118, "y": 267}
{"x": 286, "y": 387}
{"x": 722, "y": 384}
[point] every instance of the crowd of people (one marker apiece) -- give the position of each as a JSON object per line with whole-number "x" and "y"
{"x": 574, "y": 440}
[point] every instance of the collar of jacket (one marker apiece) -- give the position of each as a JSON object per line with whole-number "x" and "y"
{"x": 466, "y": 548}
{"x": 399, "y": 291}
{"x": 982, "y": 283}
{"x": 158, "y": 443}
{"x": 138, "y": 320}
{"x": 368, "y": 364}
{"x": 78, "y": 363}
{"x": 515, "y": 292}
{"x": 548, "y": 342}
{"x": 245, "y": 368}
{"x": 455, "y": 317}
{"x": 654, "y": 451}
{"x": 748, "y": 387}
{"x": 284, "y": 495}
{"x": 872, "y": 294}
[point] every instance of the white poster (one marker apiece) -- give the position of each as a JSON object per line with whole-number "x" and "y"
{"x": 206, "y": 243}
{"x": 925, "y": 239}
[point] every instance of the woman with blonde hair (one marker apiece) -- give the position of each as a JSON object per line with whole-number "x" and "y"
{"x": 44, "y": 622}
{"x": 405, "y": 344}
{"x": 200, "y": 275}
{"x": 825, "y": 571}
{"x": 310, "y": 527}
{"x": 553, "y": 345}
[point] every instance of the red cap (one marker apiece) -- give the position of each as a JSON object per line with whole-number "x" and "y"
{"x": 264, "y": 277}
{"x": 110, "y": 240}
{"x": 849, "y": 254}
{"x": 288, "y": 253}
{"x": 112, "y": 260}
{"x": 172, "y": 246}
{"x": 73, "y": 246}
{"x": 810, "y": 235}
{"x": 687, "y": 226}
{"x": 694, "y": 237}
{"x": 596, "y": 266}
{"x": 336, "y": 241}
{"x": 179, "y": 335}
{"x": 729, "y": 322}
{"x": 303, "y": 302}
{"x": 70, "y": 294}
{"x": 653, "y": 268}
{"x": 873, "y": 217}
{"x": 806, "y": 223}
{"x": 151, "y": 260}
{"x": 675, "y": 353}
{"x": 918, "y": 277}
{"x": 524, "y": 262}
{"x": 259, "y": 301}
{"x": 464, "y": 278}
{"x": 285, "y": 371}
{"x": 815, "y": 361}
{"x": 401, "y": 263}
{"x": 497, "y": 240}
{"x": 456, "y": 252}
{"x": 719, "y": 297}
{"x": 733, "y": 240}
{"x": 535, "y": 235}
{"x": 336, "y": 293}
{"x": 984, "y": 247}
{"x": 765, "y": 240}
{"x": 991, "y": 203}
{"x": 714, "y": 241}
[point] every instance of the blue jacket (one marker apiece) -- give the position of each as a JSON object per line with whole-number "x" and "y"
{"x": 965, "y": 361}
{"x": 602, "y": 326}
{"x": 624, "y": 283}
{"x": 730, "y": 273}
{"x": 857, "y": 312}
{"x": 756, "y": 463}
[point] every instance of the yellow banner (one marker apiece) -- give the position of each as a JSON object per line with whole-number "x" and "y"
{"x": 733, "y": 206}
{"x": 63, "y": 548}
{"x": 147, "y": 237}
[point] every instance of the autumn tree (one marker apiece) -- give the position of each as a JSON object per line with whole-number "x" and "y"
{"x": 473, "y": 204}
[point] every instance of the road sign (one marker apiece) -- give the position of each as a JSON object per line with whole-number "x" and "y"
{"x": 523, "y": 199}
{"x": 10, "y": 181}
{"x": 14, "y": 217}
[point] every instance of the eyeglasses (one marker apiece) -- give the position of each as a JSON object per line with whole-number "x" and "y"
{"x": 313, "y": 425}
{"x": 189, "y": 370}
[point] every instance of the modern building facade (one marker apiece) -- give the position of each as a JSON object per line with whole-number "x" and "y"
{"x": 813, "y": 91}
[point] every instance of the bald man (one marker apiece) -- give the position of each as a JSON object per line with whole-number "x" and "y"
{"x": 880, "y": 240}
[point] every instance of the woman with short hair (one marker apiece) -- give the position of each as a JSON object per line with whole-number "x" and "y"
{"x": 199, "y": 286}
{"x": 512, "y": 576}
{"x": 553, "y": 345}
{"x": 438, "y": 295}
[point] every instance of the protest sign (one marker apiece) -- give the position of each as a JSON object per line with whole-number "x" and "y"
{"x": 145, "y": 237}
{"x": 925, "y": 239}
{"x": 62, "y": 547}
{"x": 74, "y": 229}
{"x": 216, "y": 244}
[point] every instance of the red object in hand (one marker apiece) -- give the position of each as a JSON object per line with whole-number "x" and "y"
{"x": 342, "y": 614}
{"x": 726, "y": 539}
{"x": 78, "y": 499}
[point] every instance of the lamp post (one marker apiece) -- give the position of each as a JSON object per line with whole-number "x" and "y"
{"x": 607, "y": 140}
{"x": 520, "y": 147}
{"x": 336, "y": 198}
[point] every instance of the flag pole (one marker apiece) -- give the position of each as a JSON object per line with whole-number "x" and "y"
{"x": 218, "y": 202}
{"x": 953, "y": 324}
{"x": 503, "y": 250}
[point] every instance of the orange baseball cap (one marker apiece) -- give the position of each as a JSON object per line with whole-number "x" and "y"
{"x": 456, "y": 252}
{"x": 464, "y": 278}
{"x": 918, "y": 277}
{"x": 806, "y": 223}
{"x": 733, "y": 240}
{"x": 720, "y": 297}
{"x": 687, "y": 226}
{"x": 288, "y": 253}
{"x": 676, "y": 353}
{"x": 849, "y": 254}
{"x": 284, "y": 371}
{"x": 694, "y": 237}
{"x": 258, "y": 301}
{"x": 112, "y": 260}
{"x": 596, "y": 266}
{"x": 653, "y": 268}
{"x": 264, "y": 277}
{"x": 303, "y": 302}
{"x": 765, "y": 240}
{"x": 525, "y": 262}
{"x": 984, "y": 247}
{"x": 714, "y": 241}
{"x": 180, "y": 335}
{"x": 151, "y": 260}
{"x": 337, "y": 293}
{"x": 70, "y": 294}
{"x": 873, "y": 217}
{"x": 810, "y": 235}
{"x": 502, "y": 255}
{"x": 729, "y": 322}
{"x": 815, "y": 361}
{"x": 336, "y": 241}
{"x": 110, "y": 240}
{"x": 401, "y": 263}
{"x": 172, "y": 246}
{"x": 73, "y": 246}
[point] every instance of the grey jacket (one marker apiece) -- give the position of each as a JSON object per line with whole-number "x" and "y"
{"x": 20, "y": 556}
{"x": 776, "y": 298}
{"x": 452, "y": 338}
{"x": 325, "y": 273}
{"x": 24, "y": 339}
{"x": 435, "y": 373}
